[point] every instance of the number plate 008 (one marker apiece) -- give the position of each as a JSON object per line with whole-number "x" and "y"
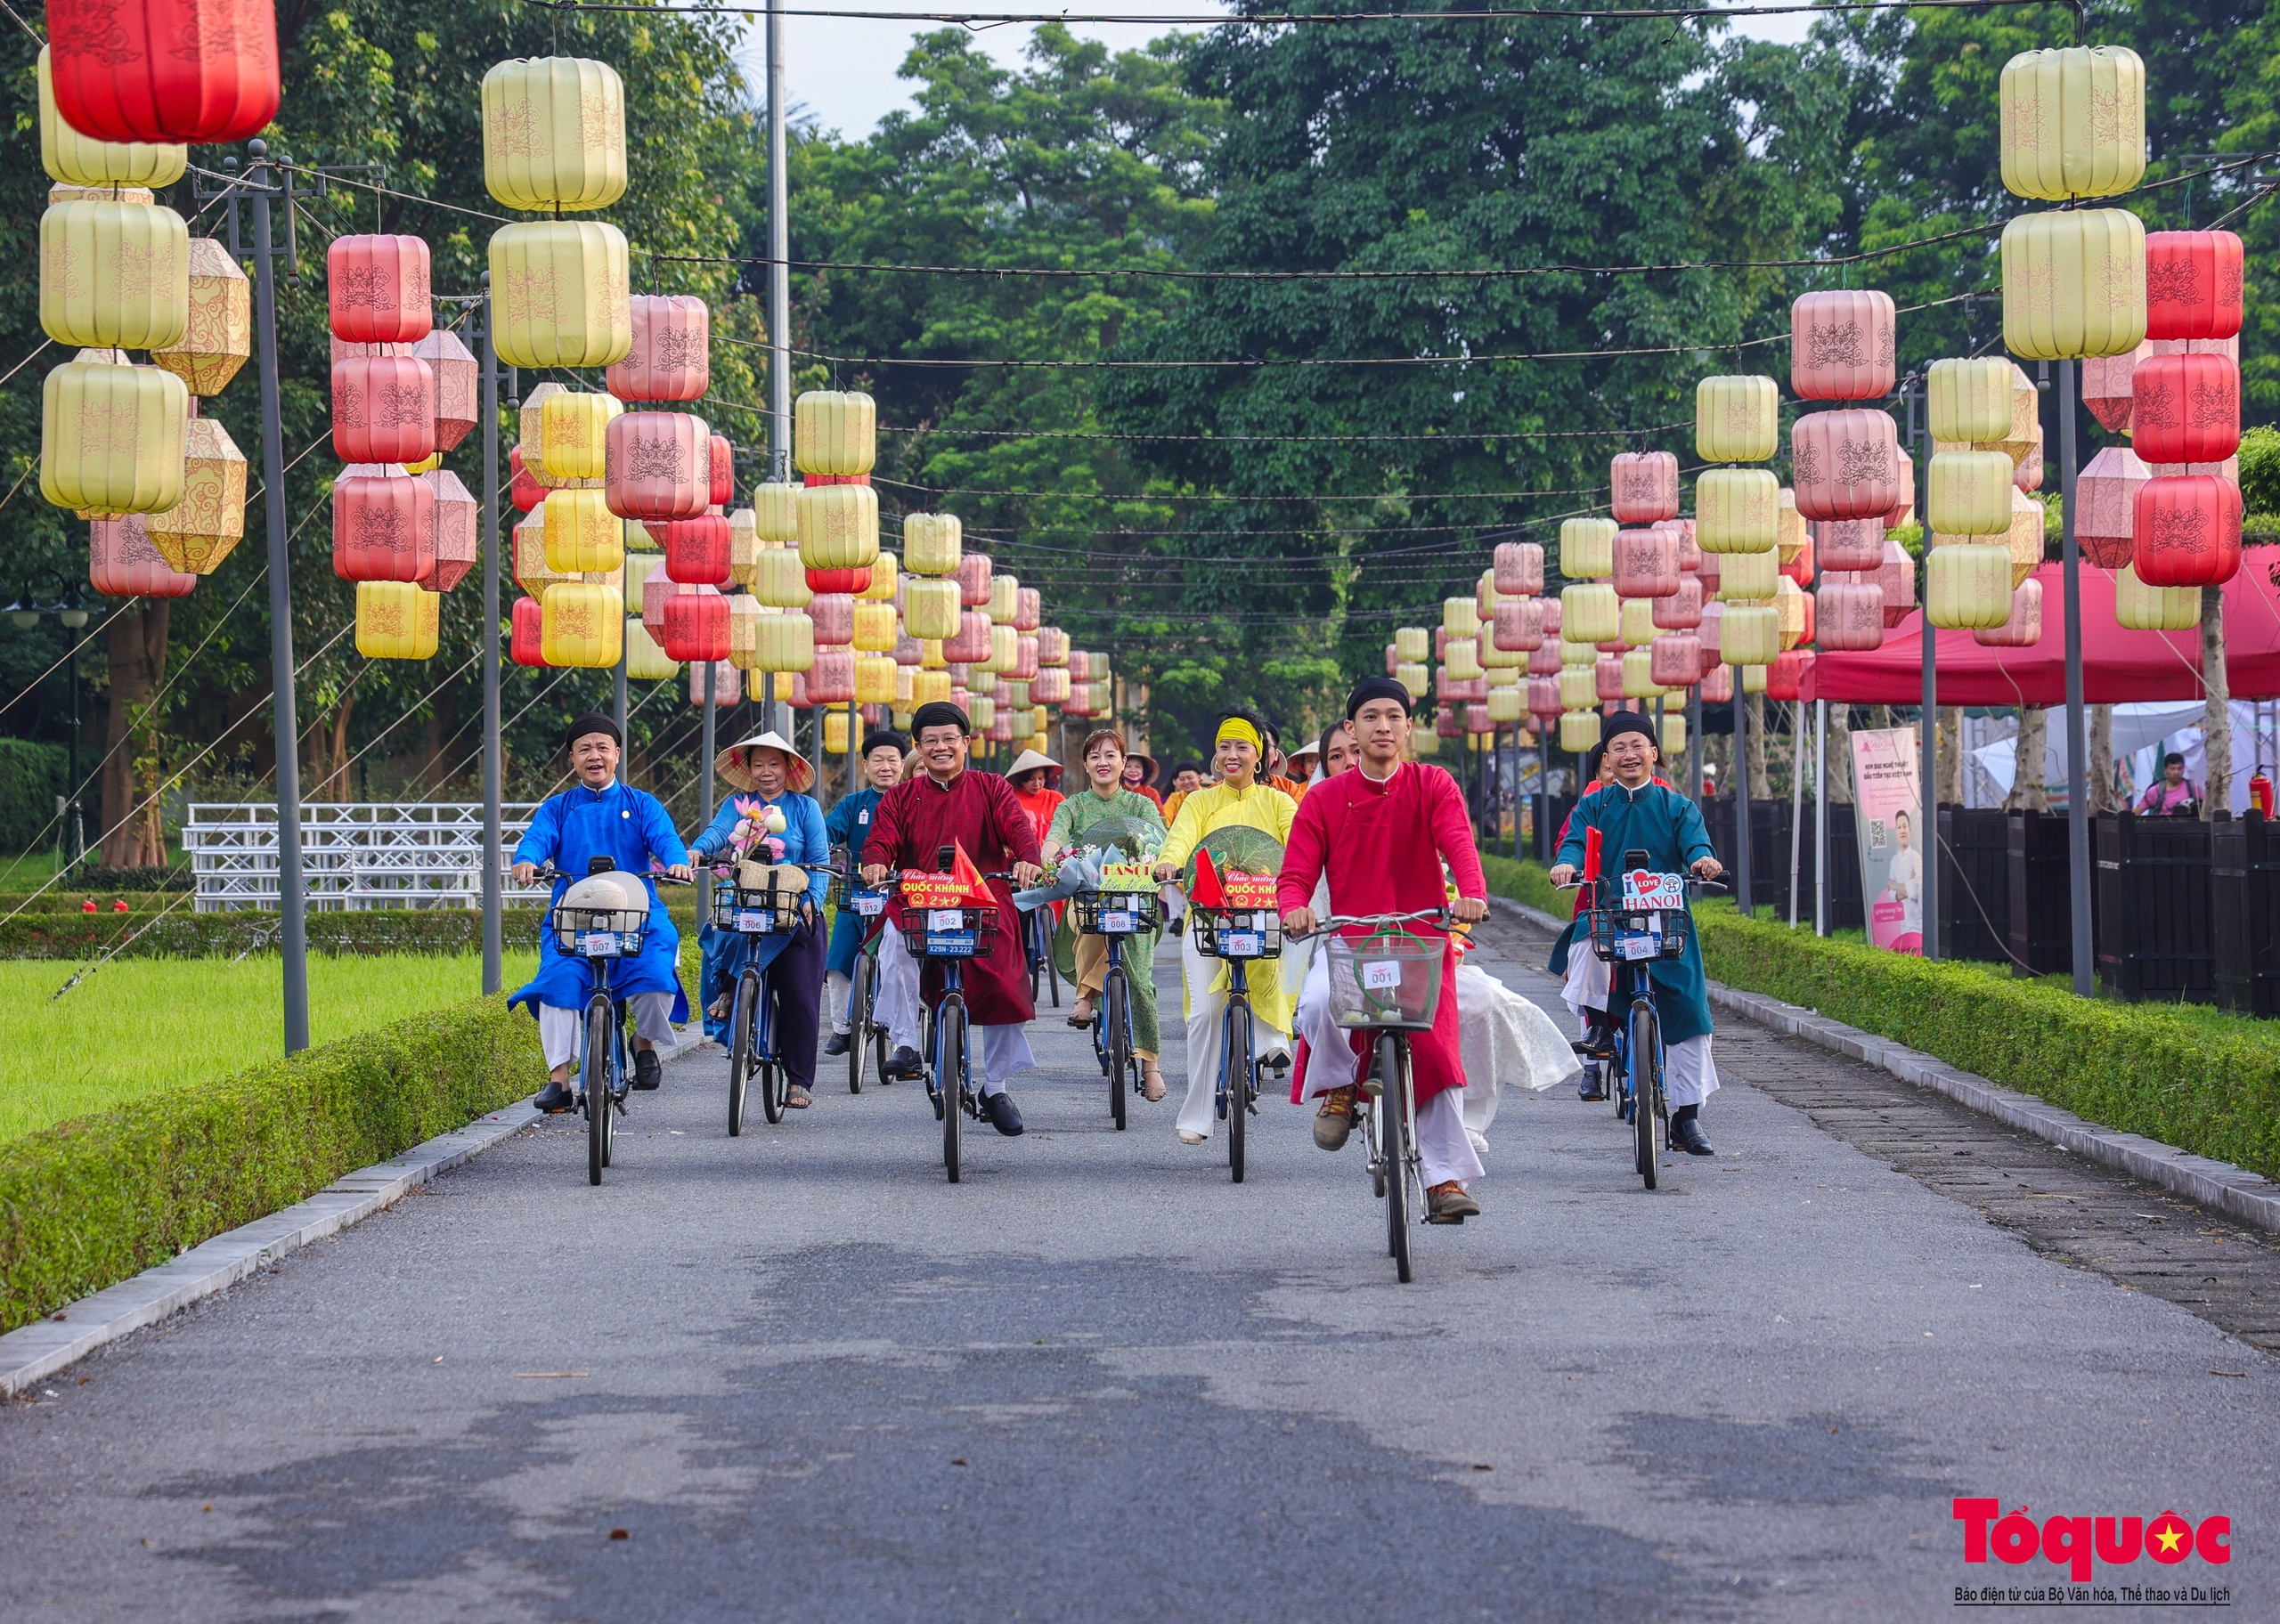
{"x": 1117, "y": 924}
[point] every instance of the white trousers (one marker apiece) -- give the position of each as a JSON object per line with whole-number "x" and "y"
{"x": 1444, "y": 1148}
{"x": 837, "y": 990}
{"x": 562, "y": 1033}
{"x": 1690, "y": 1073}
{"x": 1204, "y": 1035}
{"x": 1003, "y": 1050}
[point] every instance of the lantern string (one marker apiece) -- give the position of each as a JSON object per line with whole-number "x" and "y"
{"x": 981, "y": 21}
{"x": 37, "y": 351}
{"x": 1450, "y": 437}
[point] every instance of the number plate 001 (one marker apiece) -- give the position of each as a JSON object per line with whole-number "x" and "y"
{"x": 1383, "y": 973}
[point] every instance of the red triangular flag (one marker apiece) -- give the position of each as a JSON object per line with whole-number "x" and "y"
{"x": 1207, "y": 892}
{"x": 1591, "y": 854}
{"x": 963, "y": 869}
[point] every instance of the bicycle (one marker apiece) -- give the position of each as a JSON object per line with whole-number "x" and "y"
{"x": 1387, "y": 981}
{"x": 1037, "y": 941}
{"x": 1237, "y": 936}
{"x": 953, "y": 935}
{"x": 849, "y": 895}
{"x": 1116, "y": 915}
{"x": 754, "y": 912}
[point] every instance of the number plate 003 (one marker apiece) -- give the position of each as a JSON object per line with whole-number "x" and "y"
{"x": 1239, "y": 945}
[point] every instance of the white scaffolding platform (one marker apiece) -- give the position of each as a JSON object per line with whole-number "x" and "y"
{"x": 354, "y": 855}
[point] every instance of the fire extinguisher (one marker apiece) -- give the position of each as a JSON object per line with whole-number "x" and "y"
{"x": 2259, "y": 792}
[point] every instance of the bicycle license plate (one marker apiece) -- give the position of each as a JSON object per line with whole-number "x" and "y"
{"x": 757, "y": 920}
{"x": 1382, "y": 974}
{"x": 1241, "y": 945}
{"x": 949, "y": 944}
{"x": 871, "y": 906}
{"x": 1117, "y": 924}
{"x": 599, "y": 944}
{"x": 1640, "y": 947}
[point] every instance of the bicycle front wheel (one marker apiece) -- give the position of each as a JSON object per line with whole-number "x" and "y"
{"x": 949, "y": 1076}
{"x": 859, "y": 1018}
{"x": 1647, "y": 1088}
{"x": 1116, "y": 1028}
{"x": 600, "y": 1035}
{"x": 741, "y": 1016}
{"x": 1237, "y": 1064}
{"x": 1397, "y": 1134}
{"x": 775, "y": 1082}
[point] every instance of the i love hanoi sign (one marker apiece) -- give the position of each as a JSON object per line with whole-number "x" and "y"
{"x": 1644, "y": 889}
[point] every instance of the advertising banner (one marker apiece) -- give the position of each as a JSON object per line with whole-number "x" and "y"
{"x": 1888, "y": 823}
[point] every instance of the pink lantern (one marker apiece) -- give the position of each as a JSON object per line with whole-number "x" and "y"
{"x": 1849, "y": 544}
{"x": 376, "y": 290}
{"x": 1543, "y": 699}
{"x": 2105, "y": 505}
{"x": 1646, "y": 562}
{"x": 1029, "y": 609}
{"x": 672, "y": 357}
{"x": 1476, "y": 719}
{"x": 124, "y": 562}
{"x": 1843, "y": 346}
{"x": 1800, "y": 567}
{"x": 1718, "y": 684}
{"x": 1393, "y": 660}
{"x": 724, "y": 680}
{"x": 695, "y": 625}
{"x": 454, "y": 383}
{"x": 1052, "y": 646}
{"x": 1845, "y": 464}
{"x": 1080, "y": 665}
{"x": 1052, "y": 686}
{"x": 973, "y": 582}
{"x": 1519, "y": 628}
{"x": 1446, "y": 724}
{"x": 1519, "y": 569}
{"x": 168, "y": 71}
{"x": 1904, "y": 509}
{"x": 457, "y": 545}
{"x": 724, "y": 473}
{"x": 1897, "y": 580}
{"x": 2193, "y": 284}
{"x": 659, "y": 466}
{"x": 971, "y": 646}
{"x": 2185, "y": 409}
{"x": 1689, "y": 553}
{"x": 383, "y": 528}
{"x": 1646, "y": 489}
{"x": 1607, "y": 676}
{"x": 1552, "y": 617}
{"x": 1025, "y": 667}
{"x": 1707, "y": 572}
{"x": 831, "y": 680}
{"x": 381, "y": 410}
{"x": 2188, "y": 531}
{"x": 1708, "y": 629}
{"x": 1545, "y": 659}
{"x": 1681, "y": 611}
{"x": 696, "y": 550}
{"x": 1674, "y": 660}
{"x": 1849, "y": 614}
{"x": 907, "y": 651}
{"x": 2024, "y": 629}
{"x": 833, "y": 616}
{"x": 2109, "y": 386}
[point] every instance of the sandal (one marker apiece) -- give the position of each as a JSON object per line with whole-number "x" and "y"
{"x": 796, "y": 1099}
{"x": 1080, "y": 1013}
{"x": 1152, "y": 1083}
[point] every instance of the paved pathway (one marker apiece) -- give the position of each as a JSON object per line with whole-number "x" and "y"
{"x": 807, "y": 1378}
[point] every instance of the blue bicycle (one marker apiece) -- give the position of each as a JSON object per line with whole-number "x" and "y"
{"x": 1237, "y": 936}
{"x": 1116, "y": 915}
{"x": 754, "y": 913}
{"x": 953, "y": 936}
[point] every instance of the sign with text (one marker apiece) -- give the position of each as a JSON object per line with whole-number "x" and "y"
{"x": 1888, "y": 823}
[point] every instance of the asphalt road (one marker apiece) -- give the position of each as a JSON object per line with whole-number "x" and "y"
{"x": 797, "y": 1375}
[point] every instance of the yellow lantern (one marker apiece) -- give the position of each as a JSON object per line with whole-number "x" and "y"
{"x": 874, "y": 628}
{"x": 395, "y": 620}
{"x": 1004, "y": 651}
{"x": 875, "y": 683}
{"x": 81, "y": 160}
{"x": 561, "y": 293}
{"x": 1750, "y": 634}
{"x": 554, "y": 134}
{"x": 1969, "y": 493}
{"x": 1737, "y": 419}
{"x": 1506, "y": 705}
{"x": 1639, "y": 674}
{"x": 1789, "y": 533}
{"x": 2022, "y": 440}
{"x": 981, "y": 710}
{"x": 532, "y": 571}
{"x": 1493, "y": 659}
{"x": 929, "y": 687}
{"x": 932, "y": 543}
{"x": 931, "y": 608}
{"x": 582, "y": 624}
{"x": 1584, "y": 654}
{"x": 1748, "y": 578}
{"x": 1967, "y": 586}
{"x": 1579, "y": 687}
{"x": 219, "y": 336}
{"x": 1589, "y": 612}
{"x": 1486, "y": 597}
{"x": 1013, "y": 694}
{"x": 112, "y": 438}
{"x": 1579, "y": 731}
{"x": 198, "y": 532}
{"x": 981, "y": 679}
{"x": 1587, "y": 549}
{"x": 906, "y": 689}
{"x": 1752, "y": 679}
{"x": 2138, "y": 607}
{"x": 1673, "y": 733}
{"x": 1793, "y": 607}
{"x": 1005, "y": 593}
{"x": 838, "y": 526}
{"x": 114, "y": 275}
{"x": 1736, "y": 511}
{"x": 575, "y": 427}
{"x": 2073, "y": 122}
{"x": 1413, "y": 675}
{"x": 835, "y": 733}
{"x": 779, "y": 579}
{"x": 638, "y": 539}
{"x": 1969, "y": 399}
{"x": 1639, "y": 628}
{"x": 1461, "y": 662}
{"x": 1412, "y": 644}
{"x": 2073, "y": 284}
{"x": 744, "y": 548}
{"x": 929, "y": 655}
{"x": 583, "y": 535}
{"x": 745, "y": 613}
{"x": 638, "y": 568}
{"x": 644, "y": 662}
{"x": 776, "y": 513}
{"x": 834, "y": 432}
{"x": 1424, "y": 742}
{"x": 2024, "y": 540}
{"x": 784, "y": 643}
{"x": 886, "y": 581}
{"x": 1460, "y": 618}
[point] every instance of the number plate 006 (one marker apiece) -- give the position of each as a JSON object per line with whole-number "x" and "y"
{"x": 753, "y": 920}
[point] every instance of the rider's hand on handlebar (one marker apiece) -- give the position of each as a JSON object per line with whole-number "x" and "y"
{"x": 1468, "y": 910}
{"x": 1027, "y": 874}
{"x": 525, "y": 873}
{"x": 682, "y": 872}
{"x": 1709, "y": 868}
{"x": 1299, "y": 921}
{"x": 1563, "y": 875}
{"x": 875, "y": 873}
{"x": 1165, "y": 872}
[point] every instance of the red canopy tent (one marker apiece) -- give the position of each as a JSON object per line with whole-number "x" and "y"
{"x": 2119, "y": 667}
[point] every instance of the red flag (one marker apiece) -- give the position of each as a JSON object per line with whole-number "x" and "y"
{"x": 1207, "y": 892}
{"x": 1590, "y": 855}
{"x": 963, "y": 869}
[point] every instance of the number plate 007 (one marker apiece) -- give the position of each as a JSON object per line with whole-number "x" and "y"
{"x": 599, "y": 944}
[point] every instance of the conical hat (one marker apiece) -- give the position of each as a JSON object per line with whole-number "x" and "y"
{"x": 1029, "y": 761}
{"x": 734, "y": 764}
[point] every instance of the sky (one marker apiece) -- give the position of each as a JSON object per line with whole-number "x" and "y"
{"x": 841, "y": 70}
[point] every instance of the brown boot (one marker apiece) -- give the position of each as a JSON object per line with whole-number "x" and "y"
{"x": 1334, "y": 1122}
{"x": 1446, "y": 1202}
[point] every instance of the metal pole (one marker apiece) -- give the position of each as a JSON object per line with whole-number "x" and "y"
{"x": 1742, "y": 896}
{"x": 779, "y": 255}
{"x": 1821, "y": 817}
{"x": 704, "y": 748}
{"x": 291, "y": 900}
{"x": 494, "y": 901}
{"x": 1796, "y": 801}
{"x": 1928, "y": 745}
{"x": 2078, "y": 797}
{"x": 1696, "y": 751}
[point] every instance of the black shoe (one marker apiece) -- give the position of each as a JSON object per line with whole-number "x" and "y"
{"x": 1003, "y": 1114}
{"x": 554, "y": 1099}
{"x": 838, "y": 1043}
{"x": 1593, "y": 1086}
{"x": 1179, "y": 925}
{"x": 648, "y": 1070}
{"x": 1686, "y": 1134}
{"x": 903, "y": 1063}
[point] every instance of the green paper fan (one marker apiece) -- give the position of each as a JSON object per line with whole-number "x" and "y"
{"x": 1238, "y": 846}
{"x": 1129, "y": 836}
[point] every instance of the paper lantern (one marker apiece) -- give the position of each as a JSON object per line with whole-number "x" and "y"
{"x": 1464, "y": 661}
{"x": 1518, "y": 625}
{"x": 1904, "y": 511}
{"x": 776, "y": 512}
{"x": 973, "y": 581}
{"x": 1004, "y": 590}
{"x": 724, "y": 471}
{"x": 1708, "y": 570}
{"x": 779, "y": 580}
{"x": 1797, "y": 567}
{"x": 2185, "y": 409}
{"x": 1501, "y": 664}
{"x": 1519, "y": 568}
{"x": 1005, "y": 655}
{"x": 873, "y": 630}
{"x": 2138, "y": 607}
{"x": 1590, "y": 613}
{"x": 1674, "y": 661}
{"x": 672, "y": 357}
{"x": 2073, "y": 122}
{"x": 638, "y": 568}
{"x": 1579, "y": 730}
{"x": 745, "y": 613}
{"x": 1967, "y": 586}
{"x": 1638, "y": 622}
{"x": 531, "y": 572}
{"x": 554, "y": 134}
{"x": 1478, "y": 720}
{"x": 380, "y": 409}
{"x": 645, "y": 660}
{"x": 1749, "y": 633}
{"x": 1785, "y": 676}
{"x": 1848, "y": 615}
{"x": 123, "y": 563}
{"x": 84, "y": 160}
{"x": 724, "y": 682}
{"x": 189, "y": 71}
{"x": 1587, "y": 549}
{"x": 573, "y": 435}
{"x": 1793, "y": 607}
{"x": 1849, "y": 544}
{"x": 583, "y": 536}
{"x": 1461, "y": 617}
{"x": 2106, "y": 505}
{"x": 2193, "y": 284}
{"x": 970, "y": 641}
{"x": 783, "y": 643}
{"x": 522, "y": 487}
{"x": 397, "y": 620}
{"x": 1749, "y": 578}
{"x": 1052, "y": 644}
{"x": 831, "y": 680}
{"x": 1645, "y": 486}
{"x": 886, "y": 581}
{"x": 383, "y": 528}
{"x": 1970, "y": 400}
{"x": 1486, "y": 597}
{"x": 1843, "y": 346}
{"x": 875, "y": 679}
{"x": 197, "y": 533}
{"x": 581, "y": 625}
{"x": 2188, "y": 531}
{"x": 833, "y": 614}
{"x": 1846, "y": 464}
{"x": 1969, "y": 493}
{"x": 695, "y": 626}
{"x": 114, "y": 275}
{"x": 559, "y": 294}
{"x": 112, "y": 438}
{"x": 834, "y": 432}
{"x": 2073, "y": 283}
{"x": 1504, "y": 707}
{"x": 931, "y": 610}
{"x": 525, "y": 639}
{"x": 1737, "y": 510}
{"x": 657, "y": 463}
{"x": 218, "y": 334}
{"x": 931, "y": 543}
{"x": 933, "y": 687}
{"x": 2024, "y": 629}
{"x": 1897, "y": 580}
{"x": 377, "y": 289}
{"x": 1014, "y": 693}
{"x": 2108, "y": 387}
{"x": 1029, "y": 609}
{"x": 2024, "y": 539}
{"x": 1681, "y": 611}
{"x": 697, "y": 551}
{"x": 1754, "y": 679}
{"x": 1646, "y": 564}
{"x": 838, "y": 526}
{"x": 1412, "y": 644}
{"x": 1718, "y": 686}
{"x": 454, "y": 379}
{"x": 1736, "y": 419}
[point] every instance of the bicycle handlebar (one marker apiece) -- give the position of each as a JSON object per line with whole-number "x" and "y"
{"x": 1336, "y": 921}
{"x": 547, "y": 871}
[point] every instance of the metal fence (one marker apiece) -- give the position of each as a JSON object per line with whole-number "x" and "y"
{"x": 356, "y": 855}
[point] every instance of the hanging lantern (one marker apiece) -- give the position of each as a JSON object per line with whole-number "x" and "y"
{"x": 1590, "y": 613}
{"x": 112, "y": 438}
{"x": 1005, "y": 655}
{"x": 1674, "y": 661}
{"x": 453, "y": 379}
{"x": 1477, "y": 720}
{"x": 1849, "y": 544}
{"x": 1414, "y": 676}
{"x": 1713, "y": 618}
{"x": 644, "y": 662}
{"x": 2108, "y": 385}
{"x": 831, "y": 680}
{"x": 1969, "y": 493}
{"x": 1052, "y": 686}
{"x": 1842, "y": 346}
{"x": 776, "y": 513}
{"x": 1904, "y": 511}
{"x": 696, "y": 628}
{"x": 2185, "y": 409}
{"x": 1681, "y": 611}
{"x": 559, "y": 294}
{"x": 1461, "y": 617}
{"x": 2025, "y": 538}
{"x": 931, "y": 610}
{"x": 1587, "y": 549}
{"x": 973, "y": 581}
{"x": 84, "y": 160}
{"x": 554, "y": 134}
{"x": 1749, "y": 633}
{"x": 931, "y": 543}
{"x": 778, "y": 582}
{"x": 834, "y": 433}
{"x": 1638, "y": 622}
{"x": 381, "y": 410}
{"x": 745, "y": 546}
{"x": 583, "y": 536}
{"x": 1543, "y": 701}
{"x": 1503, "y": 665}
{"x": 1970, "y": 400}
{"x": 1014, "y": 693}
{"x": 1646, "y": 562}
{"x": 2188, "y": 531}
{"x": 971, "y": 641}
{"x": 1645, "y": 486}
{"x": 696, "y": 550}
{"x": 218, "y": 335}
{"x": 1718, "y": 686}
{"x": 522, "y": 488}
{"x": 383, "y": 528}
{"x": 886, "y": 581}
{"x": 123, "y": 563}
{"x": 2024, "y": 629}
{"x": 726, "y": 683}
{"x": 672, "y": 357}
{"x": 638, "y": 568}
{"x": 1519, "y": 569}
{"x": 2138, "y": 607}
{"x": 2073, "y": 284}
{"x": 1752, "y": 678}
{"x": 1749, "y": 578}
{"x": 1003, "y": 591}
{"x": 1897, "y": 579}
{"x": 1518, "y": 625}
{"x": 114, "y": 275}
{"x": 1793, "y": 607}
{"x": 573, "y": 435}
{"x": 1736, "y": 419}
{"x": 783, "y": 643}
{"x": 1800, "y": 567}
{"x": 933, "y": 687}
{"x": 1579, "y": 731}
{"x": 376, "y": 289}
{"x": 745, "y": 613}
{"x": 1464, "y": 661}
{"x": 1785, "y": 676}
{"x": 2073, "y": 122}
{"x": 2106, "y": 505}
{"x": 581, "y": 625}
{"x": 1967, "y": 586}
{"x": 531, "y": 573}
{"x": 657, "y": 463}
{"x": 1849, "y": 615}
{"x": 2193, "y": 284}
{"x": 1846, "y": 464}
{"x": 189, "y": 71}
{"x": 1029, "y": 609}
{"x": 525, "y": 639}
{"x": 197, "y": 533}
{"x": 833, "y": 614}
{"x": 1412, "y": 644}
{"x": 872, "y": 631}
{"x": 838, "y": 526}
{"x": 1052, "y": 644}
{"x": 724, "y": 471}
{"x": 397, "y": 620}
{"x": 1737, "y": 510}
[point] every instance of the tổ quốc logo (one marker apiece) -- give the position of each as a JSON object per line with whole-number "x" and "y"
{"x": 2079, "y": 1545}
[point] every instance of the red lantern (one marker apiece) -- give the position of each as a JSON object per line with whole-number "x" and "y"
{"x": 457, "y": 545}
{"x": 380, "y": 410}
{"x": 2188, "y": 531}
{"x": 1519, "y": 569}
{"x": 526, "y": 641}
{"x": 1849, "y": 544}
{"x": 1518, "y": 625}
{"x": 376, "y": 290}
{"x": 2192, "y": 285}
{"x": 696, "y": 550}
{"x": 1646, "y": 489}
{"x": 383, "y": 528}
{"x": 2024, "y": 629}
{"x": 124, "y": 562}
{"x": 1845, "y": 464}
{"x": 854, "y": 581}
{"x": 724, "y": 471}
{"x": 2185, "y": 409}
{"x": 176, "y": 71}
{"x": 973, "y": 580}
{"x": 1646, "y": 562}
{"x": 1843, "y": 346}
{"x": 1849, "y": 614}
{"x": 672, "y": 357}
{"x": 1607, "y": 676}
{"x": 1785, "y": 678}
{"x": 831, "y": 680}
{"x": 833, "y": 615}
{"x": 1681, "y": 611}
{"x": 1674, "y": 660}
{"x": 528, "y": 494}
{"x": 1800, "y": 567}
{"x": 659, "y": 466}
{"x": 696, "y": 625}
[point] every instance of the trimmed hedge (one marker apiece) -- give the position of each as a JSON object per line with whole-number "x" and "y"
{"x": 2187, "y": 1076}
{"x": 1528, "y": 882}
{"x": 89, "y": 1202}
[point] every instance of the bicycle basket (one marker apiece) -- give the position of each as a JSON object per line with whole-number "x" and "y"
{"x": 1385, "y": 981}
{"x": 1639, "y": 933}
{"x": 1236, "y": 933}
{"x": 949, "y": 933}
{"x": 1114, "y": 913}
{"x": 768, "y": 910}
{"x": 598, "y": 933}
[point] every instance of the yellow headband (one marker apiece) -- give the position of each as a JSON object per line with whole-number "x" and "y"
{"x": 1235, "y": 727}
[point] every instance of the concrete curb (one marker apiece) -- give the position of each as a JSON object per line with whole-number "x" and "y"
{"x": 2250, "y": 1198}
